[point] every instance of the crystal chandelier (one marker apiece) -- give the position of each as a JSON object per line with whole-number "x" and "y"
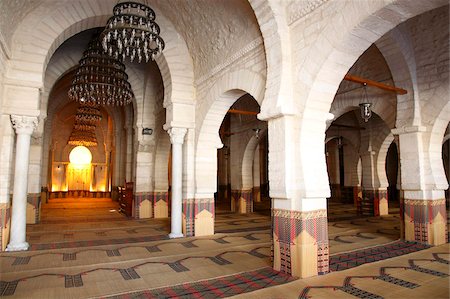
{"x": 132, "y": 32}
{"x": 85, "y": 138}
{"x": 88, "y": 114}
{"x": 366, "y": 111}
{"x": 100, "y": 79}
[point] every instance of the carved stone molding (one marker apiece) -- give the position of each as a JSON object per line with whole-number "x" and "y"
{"x": 228, "y": 62}
{"x": 24, "y": 124}
{"x": 297, "y": 10}
{"x": 177, "y": 135}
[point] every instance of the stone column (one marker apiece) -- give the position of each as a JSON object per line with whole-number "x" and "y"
{"x": 423, "y": 203}
{"x": 24, "y": 126}
{"x": 177, "y": 139}
{"x": 299, "y": 188}
{"x": 374, "y": 198}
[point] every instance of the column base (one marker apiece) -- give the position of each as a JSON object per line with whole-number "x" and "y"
{"x": 425, "y": 221}
{"x": 198, "y": 217}
{"x": 175, "y": 235}
{"x": 161, "y": 204}
{"x": 300, "y": 242}
{"x": 17, "y": 246}
{"x": 374, "y": 202}
{"x": 242, "y": 201}
{"x": 143, "y": 207}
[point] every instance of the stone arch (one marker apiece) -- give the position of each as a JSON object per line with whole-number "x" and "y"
{"x": 221, "y": 96}
{"x": 354, "y": 37}
{"x": 247, "y": 161}
{"x": 381, "y": 161}
{"x": 275, "y": 31}
{"x": 396, "y": 48}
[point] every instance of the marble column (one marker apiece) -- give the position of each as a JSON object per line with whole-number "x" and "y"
{"x": 177, "y": 139}
{"x": 24, "y": 127}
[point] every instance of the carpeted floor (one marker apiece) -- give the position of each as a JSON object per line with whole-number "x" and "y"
{"x": 86, "y": 249}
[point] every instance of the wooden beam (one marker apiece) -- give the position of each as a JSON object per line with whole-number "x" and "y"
{"x": 242, "y": 112}
{"x": 360, "y": 80}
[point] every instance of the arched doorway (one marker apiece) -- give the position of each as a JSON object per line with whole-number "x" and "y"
{"x": 242, "y": 169}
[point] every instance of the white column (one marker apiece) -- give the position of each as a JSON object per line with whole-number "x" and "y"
{"x": 24, "y": 126}
{"x": 177, "y": 139}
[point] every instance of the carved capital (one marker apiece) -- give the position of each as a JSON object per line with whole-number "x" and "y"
{"x": 177, "y": 135}
{"x": 24, "y": 124}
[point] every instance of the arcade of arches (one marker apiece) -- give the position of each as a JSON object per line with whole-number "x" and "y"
{"x": 250, "y": 110}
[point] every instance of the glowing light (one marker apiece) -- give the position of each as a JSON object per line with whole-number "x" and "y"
{"x": 80, "y": 155}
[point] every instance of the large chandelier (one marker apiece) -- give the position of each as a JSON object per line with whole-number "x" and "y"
{"x": 100, "y": 79}
{"x": 132, "y": 32}
{"x": 88, "y": 114}
{"x": 84, "y": 138}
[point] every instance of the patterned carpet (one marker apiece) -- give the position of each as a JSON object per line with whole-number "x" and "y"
{"x": 101, "y": 254}
{"x": 347, "y": 260}
{"x": 222, "y": 287}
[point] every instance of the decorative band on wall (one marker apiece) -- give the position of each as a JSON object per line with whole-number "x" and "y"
{"x": 288, "y": 225}
{"x": 204, "y": 204}
{"x": 164, "y": 196}
{"x": 424, "y": 211}
{"x": 139, "y": 198}
{"x": 34, "y": 199}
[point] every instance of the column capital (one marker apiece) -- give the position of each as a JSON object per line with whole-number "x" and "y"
{"x": 24, "y": 124}
{"x": 177, "y": 135}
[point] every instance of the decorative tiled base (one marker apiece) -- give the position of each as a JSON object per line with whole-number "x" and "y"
{"x": 143, "y": 205}
{"x": 33, "y": 207}
{"x": 160, "y": 204}
{"x": 300, "y": 242}
{"x": 256, "y": 194}
{"x": 242, "y": 201}
{"x": 198, "y": 217}
{"x": 425, "y": 221}
{"x": 373, "y": 203}
{"x": 5, "y": 224}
